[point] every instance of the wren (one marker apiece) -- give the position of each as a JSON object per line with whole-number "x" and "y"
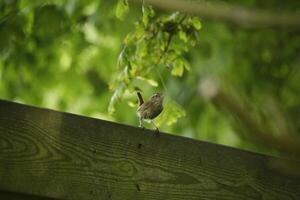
{"x": 150, "y": 109}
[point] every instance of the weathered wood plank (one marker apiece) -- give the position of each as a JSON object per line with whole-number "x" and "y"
{"x": 65, "y": 156}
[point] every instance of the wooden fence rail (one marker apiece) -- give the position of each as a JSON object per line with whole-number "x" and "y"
{"x": 55, "y": 155}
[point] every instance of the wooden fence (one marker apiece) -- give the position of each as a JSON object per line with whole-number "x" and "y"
{"x": 46, "y": 154}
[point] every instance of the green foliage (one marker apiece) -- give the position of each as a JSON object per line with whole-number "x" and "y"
{"x": 55, "y": 27}
{"x": 158, "y": 41}
{"x": 172, "y": 112}
{"x": 122, "y": 8}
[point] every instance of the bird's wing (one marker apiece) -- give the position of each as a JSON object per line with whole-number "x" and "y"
{"x": 145, "y": 110}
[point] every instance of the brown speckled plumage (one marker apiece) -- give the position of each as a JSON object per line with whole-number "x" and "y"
{"x": 150, "y": 109}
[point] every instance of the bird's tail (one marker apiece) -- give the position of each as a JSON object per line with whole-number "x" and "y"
{"x": 141, "y": 101}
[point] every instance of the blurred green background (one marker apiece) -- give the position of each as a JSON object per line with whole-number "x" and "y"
{"x": 89, "y": 57}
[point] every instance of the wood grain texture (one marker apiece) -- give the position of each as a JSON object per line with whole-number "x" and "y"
{"x": 65, "y": 156}
{"x": 4, "y": 195}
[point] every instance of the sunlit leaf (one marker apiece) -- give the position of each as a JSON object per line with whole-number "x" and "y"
{"x": 178, "y": 68}
{"x": 186, "y": 65}
{"x": 150, "y": 81}
{"x": 196, "y": 23}
{"x": 132, "y": 104}
{"x": 122, "y": 9}
{"x": 148, "y": 13}
{"x": 139, "y": 32}
{"x": 122, "y": 59}
{"x": 183, "y": 36}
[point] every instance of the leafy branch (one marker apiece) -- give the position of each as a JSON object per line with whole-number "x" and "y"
{"x": 150, "y": 46}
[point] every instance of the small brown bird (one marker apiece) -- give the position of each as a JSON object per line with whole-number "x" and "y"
{"x": 150, "y": 109}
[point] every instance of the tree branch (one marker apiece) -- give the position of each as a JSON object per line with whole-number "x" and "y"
{"x": 285, "y": 142}
{"x": 230, "y": 13}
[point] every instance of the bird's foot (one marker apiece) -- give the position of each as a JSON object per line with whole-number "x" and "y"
{"x": 157, "y": 133}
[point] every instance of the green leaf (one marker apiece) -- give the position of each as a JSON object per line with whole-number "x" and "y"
{"x": 186, "y": 65}
{"x": 150, "y": 81}
{"x": 139, "y": 32}
{"x": 142, "y": 50}
{"x": 145, "y": 19}
{"x": 132, "y": 104}
{"x": 196, "y": 23}
{"x": 122, "y": 59}
{"x": 122, "y": 9}
{"x": 183, "y": 36}
{"x": 178, "y": 68}
{"x": 148, "y": 13}
{"x": 128, "y": 39}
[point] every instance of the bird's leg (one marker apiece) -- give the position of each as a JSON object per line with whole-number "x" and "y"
{"x": 156, "y": 128}
{"x": 141, "y": 123}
